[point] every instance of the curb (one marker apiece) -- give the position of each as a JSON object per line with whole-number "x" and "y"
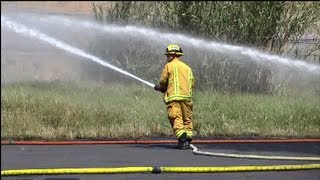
{"x": 8, "y": 142}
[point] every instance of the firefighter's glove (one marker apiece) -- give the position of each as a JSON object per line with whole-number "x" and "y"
{"x": 157, "y": 87}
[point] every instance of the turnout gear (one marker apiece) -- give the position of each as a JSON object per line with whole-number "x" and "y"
{"x": 174, "y": 49}
{"x": 180, "y": 117}
{"x": 177, "y": 83}
{"x": 177, "y": 78}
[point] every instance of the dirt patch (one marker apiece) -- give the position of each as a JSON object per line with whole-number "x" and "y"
{"x": 65, "y": 7}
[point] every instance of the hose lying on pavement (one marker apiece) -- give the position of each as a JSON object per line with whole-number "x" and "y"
{"x": 157, "y": 170}
{"x": 196, "y": 151}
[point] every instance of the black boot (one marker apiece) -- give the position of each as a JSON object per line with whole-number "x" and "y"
{"x": 183, "y": 143}
{"x": 189, "y": 139}
{"x": 188, "y": 143}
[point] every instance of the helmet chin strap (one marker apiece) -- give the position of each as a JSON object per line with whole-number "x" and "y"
{"x": 170, "y": 58}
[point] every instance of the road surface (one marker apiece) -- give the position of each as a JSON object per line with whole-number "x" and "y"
{"x": 94, "y": 156}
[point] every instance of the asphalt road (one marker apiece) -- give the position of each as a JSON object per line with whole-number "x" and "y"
{"x": 94, "y": 156}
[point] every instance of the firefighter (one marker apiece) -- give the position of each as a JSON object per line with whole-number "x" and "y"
{"x": 177, "y": 83}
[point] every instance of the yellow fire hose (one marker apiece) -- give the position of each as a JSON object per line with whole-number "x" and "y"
{"x": 239, "y": 168}
{"x": 157, "y": 170}
{"x": 76, "y": 171}
{"x": 195, "y": 151}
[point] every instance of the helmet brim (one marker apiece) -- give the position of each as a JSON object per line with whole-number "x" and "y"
{"x": 180, "y": 54}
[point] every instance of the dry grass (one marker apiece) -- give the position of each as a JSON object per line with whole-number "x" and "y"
{"x": 52, "y": 111}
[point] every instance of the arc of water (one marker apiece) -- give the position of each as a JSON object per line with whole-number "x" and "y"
{"x": 210, "y": 45}
{"x": 21, "y": 29}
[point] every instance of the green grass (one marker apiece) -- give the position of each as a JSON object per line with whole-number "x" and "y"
{"x": 67, "y": 111}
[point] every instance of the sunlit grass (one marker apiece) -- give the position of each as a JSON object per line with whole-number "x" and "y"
{"x": 66, "y": 111}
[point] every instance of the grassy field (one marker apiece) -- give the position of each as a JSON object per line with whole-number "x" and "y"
{"x": 68, "y": 111}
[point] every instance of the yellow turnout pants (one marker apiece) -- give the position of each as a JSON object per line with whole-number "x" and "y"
{"x": 180, "y": 116}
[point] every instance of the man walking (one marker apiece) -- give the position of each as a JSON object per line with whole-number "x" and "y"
{"x": 177, "y": 83}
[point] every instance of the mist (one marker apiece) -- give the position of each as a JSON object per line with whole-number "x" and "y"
{"x": 138, "y": 50}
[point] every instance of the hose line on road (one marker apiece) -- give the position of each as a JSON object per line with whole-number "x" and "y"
{"x": 239, "y": 168}
{"x": 58, "y": 171}
{"x": 196, "y": 151}
{"x": 157, "y": 170}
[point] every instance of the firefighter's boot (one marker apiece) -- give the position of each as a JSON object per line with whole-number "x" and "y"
{"x": 183, "y": 143}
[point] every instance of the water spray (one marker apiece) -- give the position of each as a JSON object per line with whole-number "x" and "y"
{"x": 164, "y": 38}
{"x": 21, "y": 29}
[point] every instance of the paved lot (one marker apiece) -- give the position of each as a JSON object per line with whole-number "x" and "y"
{"x": 92, "y": 156}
